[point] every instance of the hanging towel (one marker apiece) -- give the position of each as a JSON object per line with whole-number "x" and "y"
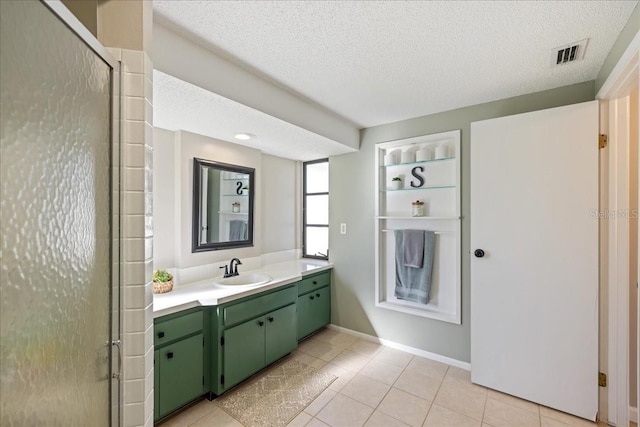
{"x": 414, "y": 284}
{"x": 413, "y": 247}
{"x": 237, "y": 230}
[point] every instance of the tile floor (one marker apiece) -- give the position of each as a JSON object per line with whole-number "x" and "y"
{"x": 381, "y": 386}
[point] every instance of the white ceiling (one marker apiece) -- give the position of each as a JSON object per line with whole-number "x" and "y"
{"x": 179, "y": 105}
{"x": 376, "y": 62}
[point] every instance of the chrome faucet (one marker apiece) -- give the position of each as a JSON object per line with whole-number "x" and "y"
{"x": 233, "y": 267}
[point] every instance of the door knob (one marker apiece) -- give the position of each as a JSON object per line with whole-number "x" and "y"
{"x": 479, "y": 253}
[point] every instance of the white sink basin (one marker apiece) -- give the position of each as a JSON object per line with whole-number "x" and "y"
{"x": 249, "y": 279}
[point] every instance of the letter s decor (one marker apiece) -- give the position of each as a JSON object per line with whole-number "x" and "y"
{"x": 414, "y": 172}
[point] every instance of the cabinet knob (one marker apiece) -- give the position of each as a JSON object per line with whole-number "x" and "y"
{"x": 317, "y": 295}
{"x": 170, "y": 355}
{"x": 311, "y": 297}
{"x": 270, "y": 319}
{"x": 260, "y": 323}
{"x": 315, "y": 282}
{"x": 479, "y": 253}
{"x": 160, "y": 334}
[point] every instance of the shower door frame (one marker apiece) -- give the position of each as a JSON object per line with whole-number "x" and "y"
{"x": 115, "y": 355}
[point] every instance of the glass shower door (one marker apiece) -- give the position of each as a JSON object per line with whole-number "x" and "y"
{"x": 57, "y": 240}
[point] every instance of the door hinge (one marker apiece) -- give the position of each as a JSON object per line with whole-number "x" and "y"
{"x": 203, "y": 380}
{"x": 602, "y": 140}
{"x": 222, "y": 379}
{"x": 602, "y": 379}
{"x": 221, "y": 340}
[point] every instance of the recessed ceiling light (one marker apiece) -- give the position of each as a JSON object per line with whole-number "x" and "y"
{"x": 244, "y": 136}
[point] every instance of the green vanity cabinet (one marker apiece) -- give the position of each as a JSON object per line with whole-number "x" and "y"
{"x": 208, "y": 350}
{"x": 179, "y": 360}
{"x": 314, "y": 303}
{"x": 251, "y": 333}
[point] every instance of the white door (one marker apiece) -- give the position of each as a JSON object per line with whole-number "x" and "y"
{"x": 534, "y": 293}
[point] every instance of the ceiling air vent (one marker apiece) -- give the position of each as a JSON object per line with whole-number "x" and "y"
{"x": 569, "y": 53}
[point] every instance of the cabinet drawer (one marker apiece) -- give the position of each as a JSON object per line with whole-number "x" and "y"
{"x": 248, "y": 309}
{"x": 172, "y": 329}
{"x": 310, "y": 283}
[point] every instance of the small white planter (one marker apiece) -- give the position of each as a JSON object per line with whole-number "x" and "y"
{"x": 396, "y": 185}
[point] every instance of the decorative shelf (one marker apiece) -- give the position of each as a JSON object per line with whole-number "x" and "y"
{"x": 233, "y": 213}
{"x": 235, "y": 195}
{"x": 426, "y": 187}
{"x": 419, "y": 217}
{"x": 418, "y": 163}
{"x": 394, "y": 212}
{"x": 236, "y": 179}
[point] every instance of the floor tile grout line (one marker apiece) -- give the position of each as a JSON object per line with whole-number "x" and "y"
{"x": 391, "y": 387}
{"x": 232, "y": 417}
{"x": 484, "y": 408}
{"x": 539, "y": 416}
{"x": 381, "y": 400}
{"x": 435, "y": 396}
{"x": 192, "y": 406}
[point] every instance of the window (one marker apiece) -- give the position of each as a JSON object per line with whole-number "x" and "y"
{"x": 315, "y": 209}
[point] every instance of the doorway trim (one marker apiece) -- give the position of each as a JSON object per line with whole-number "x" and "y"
{"x": 614, "y": 121}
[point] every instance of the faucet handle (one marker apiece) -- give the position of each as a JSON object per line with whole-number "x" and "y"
{"x": 226, "y": 270}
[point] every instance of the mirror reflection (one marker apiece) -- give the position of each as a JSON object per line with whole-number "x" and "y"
{"x": 223, "y": 206}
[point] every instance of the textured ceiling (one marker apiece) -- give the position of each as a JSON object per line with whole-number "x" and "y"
{"x": 376, "y": 62}
{"x": 178, "y": 105}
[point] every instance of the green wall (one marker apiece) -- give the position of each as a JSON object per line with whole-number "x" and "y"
{"x": 352, "y": 180}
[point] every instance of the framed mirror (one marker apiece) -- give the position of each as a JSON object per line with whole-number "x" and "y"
{"x": 222, "y": 206}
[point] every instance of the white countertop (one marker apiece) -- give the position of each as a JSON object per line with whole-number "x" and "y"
{"x": 206, "y": 292}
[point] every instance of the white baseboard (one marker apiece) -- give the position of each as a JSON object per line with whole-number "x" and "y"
{"x": 633, "y": 414}
{"x": 408, "y": 349}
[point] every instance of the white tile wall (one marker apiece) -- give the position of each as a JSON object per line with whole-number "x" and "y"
{"x": 137, "y": 238}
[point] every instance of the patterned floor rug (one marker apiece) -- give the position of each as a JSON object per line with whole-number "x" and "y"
{"x": 277, "y": 395}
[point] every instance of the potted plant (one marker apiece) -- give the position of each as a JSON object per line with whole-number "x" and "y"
{"x": 396, "y": 183}
{"x": 162, "y": 282}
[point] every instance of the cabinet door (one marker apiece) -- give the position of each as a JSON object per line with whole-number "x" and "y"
{"x": 322, "y": 308}
{"x": 181, "y": 373}
{"x": 314, "y": 311}
{"x": 243, "y": 351}
{"x": 281, "y": 331}
{"x": 305, "y": 315}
